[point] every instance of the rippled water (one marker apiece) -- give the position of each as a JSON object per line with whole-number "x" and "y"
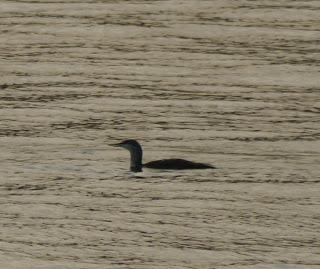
{"x": 231, "y": 83}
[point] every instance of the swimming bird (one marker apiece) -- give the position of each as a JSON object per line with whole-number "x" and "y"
{"x": 136, "y": 165}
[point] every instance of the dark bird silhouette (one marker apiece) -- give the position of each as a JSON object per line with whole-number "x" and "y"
{"x": 173, "y": 164}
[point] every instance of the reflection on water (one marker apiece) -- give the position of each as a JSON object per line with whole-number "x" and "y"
{"x": 234, "y": 84}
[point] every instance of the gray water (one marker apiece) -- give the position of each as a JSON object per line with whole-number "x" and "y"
{"x": 230, "y": 83}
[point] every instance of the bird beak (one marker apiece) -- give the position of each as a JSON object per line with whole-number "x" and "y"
{"x": 115, "y": 145}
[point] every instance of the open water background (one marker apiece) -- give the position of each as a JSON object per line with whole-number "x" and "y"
{"x": 231, "y": 83}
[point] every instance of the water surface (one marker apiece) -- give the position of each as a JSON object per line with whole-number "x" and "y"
{"x": 231, "y": 83}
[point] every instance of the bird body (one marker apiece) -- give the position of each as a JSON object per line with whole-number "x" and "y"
{"x": 175, "y": 164}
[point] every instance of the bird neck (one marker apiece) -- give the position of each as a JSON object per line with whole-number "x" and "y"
{"x": 136, "y": 160}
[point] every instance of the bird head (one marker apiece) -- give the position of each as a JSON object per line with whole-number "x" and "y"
{"x": 129, "y": 144}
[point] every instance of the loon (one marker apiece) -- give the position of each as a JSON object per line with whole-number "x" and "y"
{"x": 136, "y": 165}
